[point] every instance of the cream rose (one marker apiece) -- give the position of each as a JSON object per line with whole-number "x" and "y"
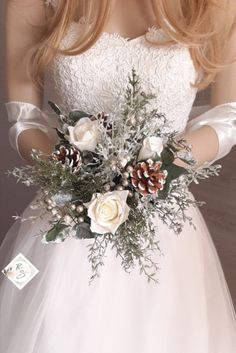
{"x": 151, "y": 146}
{"x": 108, "y": 211}
{"x": 84, "y": 135}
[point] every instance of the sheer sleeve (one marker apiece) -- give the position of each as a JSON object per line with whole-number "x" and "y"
{"x": 25, "y": 23}
{"x": 25, "y": 116}
{"x": 222, "y": 113}
{"x": 222, "y": 118}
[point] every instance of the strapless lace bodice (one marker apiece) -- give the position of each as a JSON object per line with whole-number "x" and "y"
{"x": 93, "y": 80}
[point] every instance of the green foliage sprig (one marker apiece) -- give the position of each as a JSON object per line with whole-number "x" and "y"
{"x": 68, "y": 183}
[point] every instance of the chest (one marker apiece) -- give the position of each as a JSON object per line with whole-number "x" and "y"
{"x": 94, "y": 79}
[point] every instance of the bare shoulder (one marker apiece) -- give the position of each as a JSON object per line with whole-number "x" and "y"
{"x": 24, "y": 26}
{"x": 28, "y": 12}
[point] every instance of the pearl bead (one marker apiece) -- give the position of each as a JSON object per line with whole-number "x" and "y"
{"x": 54, "y": 211}
{"x": 140, "y": 119}
{"x": 57, "y": 216}
{"x": 123, "y": 161}
{"x": 48, "y": 200}
{"x": 125, "y": 182}
{"x": 80, "y": 208}
{"x": 49, "y": 208}
{"x": 67, "y": 219}
{"x": 125, "y": 175}
{"x": 129, "y": 169}
{"x": 119, "y": 187}
{"x": 73, "y": 207}
{"x": 81, "y": 219}
{"x": 132, "y": 121}
{"x": 53, "y": 204}
{"x": 107, "y": 187}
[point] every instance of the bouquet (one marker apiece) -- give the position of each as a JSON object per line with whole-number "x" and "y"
{"x": 110, "y": 175}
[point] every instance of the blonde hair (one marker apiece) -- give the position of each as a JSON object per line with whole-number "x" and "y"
{"x": 205, "y": 26}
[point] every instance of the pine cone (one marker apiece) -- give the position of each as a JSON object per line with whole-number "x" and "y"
{"x": 68, "y": 156}
{"x": 148, "y": 178}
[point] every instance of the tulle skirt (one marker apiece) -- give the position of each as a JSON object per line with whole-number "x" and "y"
{"x": 190, "y": 310}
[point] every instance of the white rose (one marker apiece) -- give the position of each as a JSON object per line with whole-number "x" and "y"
{"x": 108, "y": 211}
{"x": 151, "y": 146}
{"x": 84, "y": 135}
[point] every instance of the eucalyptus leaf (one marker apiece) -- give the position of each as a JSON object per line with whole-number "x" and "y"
{"x": 75, "y": 115}
{"x": 162, "y": 194}
{"x": 87, "y": 157}
{"x": 83, "y": 231}
{"x": 62, "y": 198}
{"x": 175, "y": 171}
{"x": 167, "y": 156}
{"x": 55, "y": 107}
{"x": 60, "y": 134}
{"x": 55, "y": 232}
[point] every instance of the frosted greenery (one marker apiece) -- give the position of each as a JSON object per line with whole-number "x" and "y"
{"x": 121, "y": 137}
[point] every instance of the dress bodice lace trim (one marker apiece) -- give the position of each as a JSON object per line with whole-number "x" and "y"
{"x": 93, "y": 80}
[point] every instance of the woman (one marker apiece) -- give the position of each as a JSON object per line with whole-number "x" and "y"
{"x": 190, "y": 310}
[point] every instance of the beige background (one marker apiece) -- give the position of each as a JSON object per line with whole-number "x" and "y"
{"x": 218, "y": 192}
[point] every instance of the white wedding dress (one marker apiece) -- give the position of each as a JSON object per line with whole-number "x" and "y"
{"x": 190, "y": 310}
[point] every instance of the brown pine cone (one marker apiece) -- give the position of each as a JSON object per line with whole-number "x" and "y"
{"x": 148, "y": 178}
{"x": 68, "y": 156}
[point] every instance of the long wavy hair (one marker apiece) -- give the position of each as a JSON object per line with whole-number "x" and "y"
{"x": 204, "y": 26}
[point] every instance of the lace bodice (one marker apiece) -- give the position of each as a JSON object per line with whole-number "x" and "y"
{"x": 93, "y": 80}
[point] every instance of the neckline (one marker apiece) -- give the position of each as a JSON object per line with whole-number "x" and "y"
{"x": 152, "y": 29}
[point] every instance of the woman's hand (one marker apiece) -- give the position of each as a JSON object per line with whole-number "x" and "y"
{"x": 204, "y": 143}
{"x": 37, "y": 139}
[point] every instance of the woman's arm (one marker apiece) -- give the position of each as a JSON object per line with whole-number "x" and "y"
{"x": 22, "y": 33}
{"x": 205, "y": 141}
